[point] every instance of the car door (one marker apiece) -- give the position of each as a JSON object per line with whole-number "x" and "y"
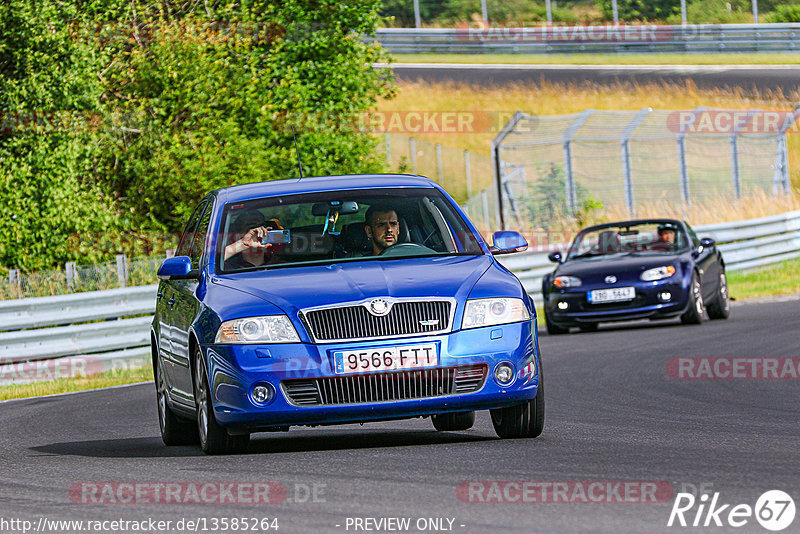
{"x": 187, "y": 303}
{"x": 174, "y": 363}
{"x": 708, "y": 267}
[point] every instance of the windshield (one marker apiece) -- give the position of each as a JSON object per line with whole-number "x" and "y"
{"x": 336, "y": 226}
{"x": 651, "y": 238}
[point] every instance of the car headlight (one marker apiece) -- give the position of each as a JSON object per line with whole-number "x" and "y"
{"x": 658, "y": 273}
{"x": 566, "y": 281}
{"x": 488, "y": 312}
{"x": 268, "y": 329}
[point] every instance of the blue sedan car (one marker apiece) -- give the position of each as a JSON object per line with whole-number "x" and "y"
{"x": 341, "y": 299}
{"x": 642, "y": 269}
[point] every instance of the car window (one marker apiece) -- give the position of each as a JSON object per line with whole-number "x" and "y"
{"x": 693, "y": 236}
{"x": 184, "y": 245}
{"x": 652, "y": 237}
{"x": 200, "y": 233}
{"x": 331, "y": 226}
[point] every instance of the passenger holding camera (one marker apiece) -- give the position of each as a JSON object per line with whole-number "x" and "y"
{"x": 250, "y": 231}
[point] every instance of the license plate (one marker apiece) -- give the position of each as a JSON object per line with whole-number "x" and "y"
{"x": 615, "y": 294}
{"x": 385, "y": 358}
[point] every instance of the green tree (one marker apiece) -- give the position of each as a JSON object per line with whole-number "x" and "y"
{"x": 640, "y": 9}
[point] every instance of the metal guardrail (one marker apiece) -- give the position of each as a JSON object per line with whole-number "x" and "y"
{"x": 563, "y": 39}
{"x": 30, "y": 341}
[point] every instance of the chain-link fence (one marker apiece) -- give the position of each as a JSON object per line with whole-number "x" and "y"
{"x": 632, "y": 162}
{"x": 74, "y": 278}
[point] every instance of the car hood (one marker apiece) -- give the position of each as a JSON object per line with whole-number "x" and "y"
{"x": 629, "y": 263}
{"x": 296, "y": 288}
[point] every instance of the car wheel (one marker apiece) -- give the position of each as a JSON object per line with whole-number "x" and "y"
{"x": 523, "y": 420}
{"x": 452, "y": 422}
{"x": 214, "y": 438}
{"x": 721, "y": 307}
{"x": 552, "y": 328}
{"x": 695, "y": 314}
{"x": 175, "y": 430}
{"x": 589, "y": 327}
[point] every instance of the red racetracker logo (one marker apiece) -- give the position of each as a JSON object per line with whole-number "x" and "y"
{"x": 177, "y": 493}
{"x": 564, "y": 492}
{"x": 724, "y": 367}
{"x": 722, "y": 121}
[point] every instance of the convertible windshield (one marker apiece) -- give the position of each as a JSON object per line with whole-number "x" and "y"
{"x": 656, "y": 237}
{"x": 337, "y": 226}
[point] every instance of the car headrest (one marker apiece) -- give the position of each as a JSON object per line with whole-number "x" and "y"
{"x": 355, "y": 239}
{"x": 608, "y": 241}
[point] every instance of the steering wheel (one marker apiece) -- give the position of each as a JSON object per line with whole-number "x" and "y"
{"x": 401, "y": 249}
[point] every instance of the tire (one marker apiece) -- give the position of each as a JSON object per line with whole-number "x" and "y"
{"x": 695, "y": 314}
{"x": 214, "y": 438}
{"x": 451, "y": 422}
{"x": 552, "y": 328}
{"x": 589, "y": 327}
{"x": 523, "y": 420}
{"x": 721, "y": 307}
{"x": 175, "y": 430}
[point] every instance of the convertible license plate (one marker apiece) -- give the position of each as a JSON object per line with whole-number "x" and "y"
{"x": 385, "y": 358}
{"x": 615, "y": 294}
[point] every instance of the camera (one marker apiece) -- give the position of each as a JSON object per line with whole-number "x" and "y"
{"x": 277, "y": 237}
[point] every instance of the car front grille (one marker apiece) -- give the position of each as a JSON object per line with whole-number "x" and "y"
{"x": 356, "y": 322}
{"x": 385, "y": 387}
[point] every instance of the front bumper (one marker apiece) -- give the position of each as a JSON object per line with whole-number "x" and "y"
{"x": 235, "y": 369}
{"x": 645, "y": 305}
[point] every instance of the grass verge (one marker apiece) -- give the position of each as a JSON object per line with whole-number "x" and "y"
{"x": 743, "y": 58}
{"x": 779, "y": 279}
{"x": 65, "y": 385}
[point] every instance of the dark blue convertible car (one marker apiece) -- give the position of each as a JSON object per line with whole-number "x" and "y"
{"x": 642, "y": 269}
{"x": 335, "y": 300}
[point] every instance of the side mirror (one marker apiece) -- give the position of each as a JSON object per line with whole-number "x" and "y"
{"x": 707, "y": 242}
{"x": 555, "y": 257}
{"x": 506, "y": 242}
{"x": 177, "y": 268}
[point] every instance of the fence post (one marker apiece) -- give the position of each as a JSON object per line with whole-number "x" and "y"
{"x": 498, "y": 164}
{"x": 417, "y": 18}
{"x": 468, "y": 173}
{"x": 388, "y": 149}
{"x": 626, "y": 158}
{"x": 70, "y": 269}
{"x": 13, "y": 280}
{"x": 412, "y": 148}
{"x": 439, "y": 169}
{"x": 737, "y": 181}
{"x": 122, "y": 270}
{"x": 684, "y": 173}
{"x": 569, "y": 177}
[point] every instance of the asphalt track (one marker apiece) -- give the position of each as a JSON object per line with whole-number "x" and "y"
{"x": 746, "y": 77}
{"x": 613, "y": 414}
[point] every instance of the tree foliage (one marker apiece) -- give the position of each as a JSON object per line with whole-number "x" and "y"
{"x": 170, "y": 99}
{"x": 640, "y": 10}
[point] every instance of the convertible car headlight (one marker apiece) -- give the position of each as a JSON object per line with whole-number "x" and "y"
{"x": 268, "y": 329}
{"x": 658, "y": 273}
{"x": 566, "y": 281}
{"x": 487, "y": 312}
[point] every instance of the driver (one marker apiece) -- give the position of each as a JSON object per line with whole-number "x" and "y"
{"x": 666, "y": 236}
{"x": 382, "y": 227}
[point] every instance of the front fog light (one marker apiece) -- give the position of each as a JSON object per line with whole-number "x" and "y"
{"x": 563, "y": 305}
{"x": 504, "y": 373}
{"x": 261, "y": 394}
{"x": 665, "y": 296}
